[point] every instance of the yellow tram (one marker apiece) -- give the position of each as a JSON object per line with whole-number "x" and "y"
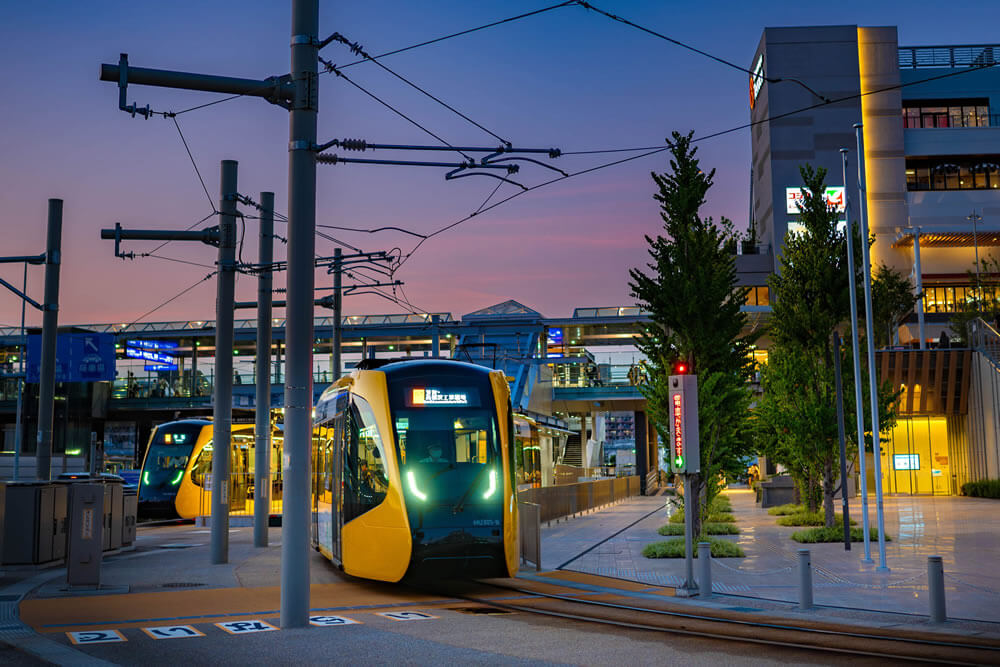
{"x": 176, "y": 479}
{"x": 413, "y": 469}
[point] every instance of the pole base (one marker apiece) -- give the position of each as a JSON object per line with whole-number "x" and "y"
{"x": 685, "y": 592}
{"x": 867, "y": 561}
{"x": 883, "y": 570}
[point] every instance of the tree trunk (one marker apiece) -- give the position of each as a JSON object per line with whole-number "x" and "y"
{"x": 828, "y": 486}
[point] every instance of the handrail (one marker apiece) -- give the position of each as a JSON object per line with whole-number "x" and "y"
{"x": 972, "y": 55}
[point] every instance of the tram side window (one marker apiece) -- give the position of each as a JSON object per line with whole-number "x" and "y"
{"x": 365, "y": 480}
{"x": 202, "y": 465}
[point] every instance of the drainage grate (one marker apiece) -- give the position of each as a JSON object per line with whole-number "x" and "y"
{"x": 488, "y": 611}
{"x": 181, "y": 584}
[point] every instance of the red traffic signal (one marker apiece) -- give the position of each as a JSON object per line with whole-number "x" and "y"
{"x": 681, "y": 368}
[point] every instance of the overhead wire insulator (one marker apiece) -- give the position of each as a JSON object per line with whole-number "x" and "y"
{"x": 354, "y": 144}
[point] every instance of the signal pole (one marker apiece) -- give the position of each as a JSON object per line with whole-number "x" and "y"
{"x": 50, "y": 323}
{"x": 222, "y": 412}
{"x": 262, "y": 448}
{"x": 299, "y": 314}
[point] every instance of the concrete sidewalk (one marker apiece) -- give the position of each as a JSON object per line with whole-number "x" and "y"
{"x": 964, "y": 531}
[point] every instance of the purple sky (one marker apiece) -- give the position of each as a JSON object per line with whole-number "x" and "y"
{"x": 568, "y": 78}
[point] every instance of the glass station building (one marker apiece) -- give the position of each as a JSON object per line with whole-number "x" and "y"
{"x": 931, "y": 144}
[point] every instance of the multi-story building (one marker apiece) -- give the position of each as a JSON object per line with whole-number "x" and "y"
{"x": 930, "y": 120}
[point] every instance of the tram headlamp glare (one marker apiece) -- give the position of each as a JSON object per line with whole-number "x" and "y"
{"x": 493, "y": 485}
{"x": 412, "y": 479}
{"x": 177, "y": 478}
{"x": 145, "y": 478}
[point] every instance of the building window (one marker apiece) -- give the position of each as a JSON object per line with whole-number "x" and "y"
{"x": 758, "y": 296}
{"x": 953, "y": 173}
{"x": 952, "y": 113}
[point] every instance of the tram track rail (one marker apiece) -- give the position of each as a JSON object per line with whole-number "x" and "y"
{"x": 820, "y": 635}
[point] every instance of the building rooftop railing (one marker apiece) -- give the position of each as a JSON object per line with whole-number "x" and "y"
{"x": 973, "y": 55}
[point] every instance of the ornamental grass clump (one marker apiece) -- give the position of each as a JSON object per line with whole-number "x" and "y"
{"x": 675, "y": 548}
{"x": 811, "y": 519}
{"x": 672, "y": 529}
{"x": 834, "y": 534}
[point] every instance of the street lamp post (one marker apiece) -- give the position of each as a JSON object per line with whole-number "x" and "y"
{"x": 975, "y": 218}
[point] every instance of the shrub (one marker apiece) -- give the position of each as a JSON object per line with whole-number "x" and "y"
{"x": 713, "y": 517}
{"x": 835, "y": 534}
{"x": 987, "y": 488}
{"x": 671, "y": 529}
{"x": 811, "y": 519}
{"x": 720, "y": 505}
{"x": 784, "y": 510}
{"x": 675, "y": 549}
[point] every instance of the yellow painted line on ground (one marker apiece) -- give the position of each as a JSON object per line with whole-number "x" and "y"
{"x": 205, "y": 605}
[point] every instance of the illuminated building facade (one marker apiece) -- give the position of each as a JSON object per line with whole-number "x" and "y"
{"x": 931, "y": 142}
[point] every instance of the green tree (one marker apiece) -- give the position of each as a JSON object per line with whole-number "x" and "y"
{"x": 982, "y": 302}
{"x": 893, "y": 300}
{"x": 811, "y": 299}
{"x": 694, "y": 302}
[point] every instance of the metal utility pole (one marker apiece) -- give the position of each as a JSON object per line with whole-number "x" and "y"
{"x": 872, "y": 378}
{"x": 18, "y": 439}
{"x": 919, "y": 281}
{"x": 843, "y": 446}
{"x": 299, "y": 314}
{"x": 338, "y": 316}
{"x": 262, "y": 447}
{"x": 222, "y": 412}
{"x": 50, "y": 323}
{"x": 859, "y": 406}
{"x": 974, "y": 218}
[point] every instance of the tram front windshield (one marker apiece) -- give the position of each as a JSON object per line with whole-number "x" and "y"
{"x": 444, "y": 426}
{"x": 167, "y": 458}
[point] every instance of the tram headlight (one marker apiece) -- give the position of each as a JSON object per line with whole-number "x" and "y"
{"x": 145, "y": 478}
{"x": 493, "y": 485}
{"x": 412, "y": 480}
{"x": 177, "y": 478}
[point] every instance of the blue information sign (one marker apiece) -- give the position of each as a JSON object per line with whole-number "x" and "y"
{"x": 152, "y": 344}
{"x": 80, "y": 357}
{"x": 150, "y": 355}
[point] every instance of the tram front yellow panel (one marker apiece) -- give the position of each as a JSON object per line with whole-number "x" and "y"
{"x": 193, "y": 500}
{"x": 378, "y": 544}
{"x": 511, "y": 533}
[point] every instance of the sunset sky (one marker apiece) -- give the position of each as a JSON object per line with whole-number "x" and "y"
{"x": 568, "y": 78}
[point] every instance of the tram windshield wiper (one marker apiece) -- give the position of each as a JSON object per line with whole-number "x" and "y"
{"x": 460, "y": 505}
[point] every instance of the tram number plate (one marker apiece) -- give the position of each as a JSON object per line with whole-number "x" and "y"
{"x": 245, "y": 627}
{"x": 96, "y": 637}
{"x": 327, "y": 621}
{"x": 406, "y": 615}
{"x": 173, "y": 632}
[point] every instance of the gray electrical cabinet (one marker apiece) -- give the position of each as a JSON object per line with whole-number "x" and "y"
{"x": 130, "y": 503}
{"x": 30, "y": 524}
{"x": 116, "y": 515}
{"x": 60, "y": 508}
{"x": 86, "y": 534}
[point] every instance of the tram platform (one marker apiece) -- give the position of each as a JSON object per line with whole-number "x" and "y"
{"x": 167, "y": 582}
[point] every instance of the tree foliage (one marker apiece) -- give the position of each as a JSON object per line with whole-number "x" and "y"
{"x": 893, "y": 299}
{"x": 691, "y": 293}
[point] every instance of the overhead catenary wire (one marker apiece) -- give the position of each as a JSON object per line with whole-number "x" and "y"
{"x": 333, "y": 68}
{"x": 651, "y": 150}
{"x": 464, "y": 32}
{"x": 357, "y": 49}
{"x": 170, "y": 300}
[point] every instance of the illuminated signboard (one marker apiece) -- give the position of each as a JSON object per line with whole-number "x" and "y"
{"x": 152, "y": 344}
{"x": 906, "y": 461}
{"x": 756, "y": 79}
{"x": 160, "y": 367}
{"x": 797, "y": 228}
{"x": 420, "y": 396}
{"x": 834, "y": 198}
{"x": 555, "y": 336}
{"x": 678, "y": 430}
{"x": 150, "y": 355}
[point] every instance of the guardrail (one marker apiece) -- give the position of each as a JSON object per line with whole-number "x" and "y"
{"x": 565, "y": 500}
{"x": 530, "y": 529}
{"x": 973, "y": 55}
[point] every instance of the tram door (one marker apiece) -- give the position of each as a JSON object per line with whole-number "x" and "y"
{"x": 334, "y": 476}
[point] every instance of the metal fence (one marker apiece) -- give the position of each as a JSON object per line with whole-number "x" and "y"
{"x": 556, "y": 502}
{"x": 242, "y": 494}
{"x": 973, "y": 55}
{"x": 530, "y": 532}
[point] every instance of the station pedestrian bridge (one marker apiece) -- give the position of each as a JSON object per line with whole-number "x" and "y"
{"x": 558, "y": 368}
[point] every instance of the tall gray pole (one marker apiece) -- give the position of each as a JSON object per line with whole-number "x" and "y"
{"x": 920, "y": 289}
{"x": 859, "y": 404}
{"x": 299, "y": 315}
{"x": 262, "y": 444}
{"x": 872, "y": 378}
{"x": 50, "y": 324}
{"x": 338, "y": 316}
{"x": 18, "y": 441}
{"x": 845, "y": 511}
{"x": 435, "y": 335}
{"x": 222, "y": 414}
{"x": 975, "y": 218}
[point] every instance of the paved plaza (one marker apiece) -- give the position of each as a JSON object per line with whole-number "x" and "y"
{"x": 964, "y": 531}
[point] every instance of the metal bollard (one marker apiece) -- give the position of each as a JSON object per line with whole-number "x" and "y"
{"x": 704, "y": 570}
{"x": 805, "y": 580}
{"x": 935, "y": 587}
